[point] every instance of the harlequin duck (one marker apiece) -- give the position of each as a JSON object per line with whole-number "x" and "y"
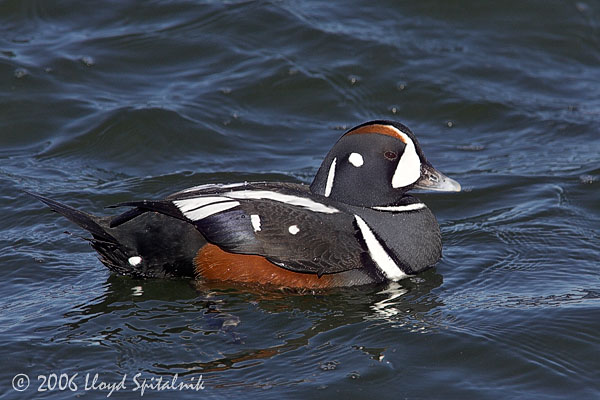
{"x": 355, "y": 224}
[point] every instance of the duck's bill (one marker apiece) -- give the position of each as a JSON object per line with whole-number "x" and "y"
{"x": 432, "y": 179}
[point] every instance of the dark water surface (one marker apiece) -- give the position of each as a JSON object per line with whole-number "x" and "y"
{"x": 102, "y": 102}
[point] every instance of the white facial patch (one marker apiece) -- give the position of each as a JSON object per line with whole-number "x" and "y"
{"x": 356, "y": 160}
{"x": 255, "y": 219}
{"x": 330, "y": 177}
{"x": 408, "y": 170}
{"x": 378, "y": 254}
{"x": 293, "y": 229}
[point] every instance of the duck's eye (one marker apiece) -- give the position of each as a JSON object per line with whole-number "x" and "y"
{"x": 390, "y": 155}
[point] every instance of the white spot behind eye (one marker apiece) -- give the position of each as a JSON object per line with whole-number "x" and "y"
{"x": 356, "y": 159}
{"x": 330, "y": 176}
{"x": 255, "y": 219}
{"x": 293, "y": 229}
{"x": 135, "y": 260}
{"x": 408, "y": 170}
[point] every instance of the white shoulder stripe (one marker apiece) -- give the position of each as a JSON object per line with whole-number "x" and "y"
{"x": 283, "y": 198}
{"x": 196, "y": 208}
{"x": 209, "y": 210}
{"x": 197, "y": 202}
{"x": 213, "y": 186}
{"x": 378, "y": 254}
{"x": 408, "y": 207}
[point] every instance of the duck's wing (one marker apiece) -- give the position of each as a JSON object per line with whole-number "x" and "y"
{"x": 295, "y": 232}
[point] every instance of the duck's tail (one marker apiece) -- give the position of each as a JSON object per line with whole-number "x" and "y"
{"x": 87, "y": 221}
{"x": 148, "y": 245}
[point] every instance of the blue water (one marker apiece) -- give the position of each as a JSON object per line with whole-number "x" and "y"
{"x": 119, "y": 100}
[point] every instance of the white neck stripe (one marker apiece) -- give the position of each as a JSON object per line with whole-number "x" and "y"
{"x": 378, "y": 254}
{"x": 330, "y": 177}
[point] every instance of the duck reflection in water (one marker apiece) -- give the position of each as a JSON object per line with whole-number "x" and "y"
{"x": 230, "y": 326}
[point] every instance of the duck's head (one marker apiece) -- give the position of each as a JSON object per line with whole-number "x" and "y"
{"x": 375, "y": 164}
